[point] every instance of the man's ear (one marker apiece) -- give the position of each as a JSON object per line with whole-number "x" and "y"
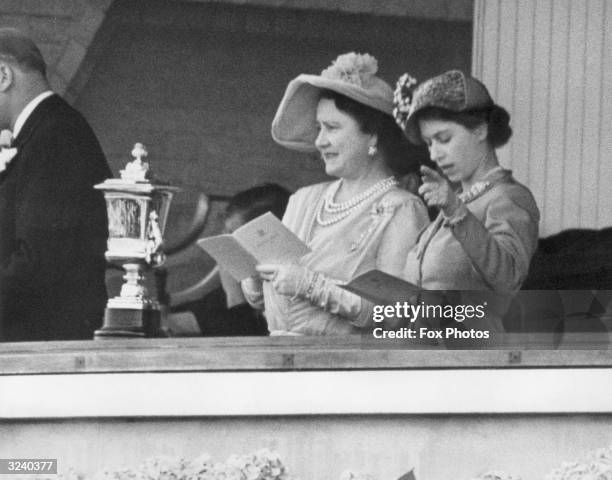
{"x": 7, "y": 76}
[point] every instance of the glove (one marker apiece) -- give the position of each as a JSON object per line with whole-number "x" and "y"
{"x": 286, "y": 279}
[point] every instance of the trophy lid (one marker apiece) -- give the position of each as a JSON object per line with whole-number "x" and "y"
{"x": 136, "y": 170}
{"x": 136, "y": 177}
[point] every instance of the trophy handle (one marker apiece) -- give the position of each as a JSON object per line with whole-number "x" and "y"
{"x": 197, "y": 226}
{"x": 154, "y": 241}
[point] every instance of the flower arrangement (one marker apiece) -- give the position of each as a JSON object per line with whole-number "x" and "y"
{"x": 601, "y": 462}
{"x": 267, "y": 465}
{"x": 356, "y": 68}
{"x": 496, "y": 475}
{"x": 402, "y": 98}
{"x": 350, "y": 475}
{"x": 596, "y": 466}
{"x": 261, "y": 465}
{"x": 570, "y": 471}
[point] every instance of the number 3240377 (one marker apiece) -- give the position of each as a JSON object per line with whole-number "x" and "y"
{"x": 26, "y": 466}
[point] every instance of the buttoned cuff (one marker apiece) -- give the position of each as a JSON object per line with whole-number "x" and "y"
{"x": 456, "y": 218}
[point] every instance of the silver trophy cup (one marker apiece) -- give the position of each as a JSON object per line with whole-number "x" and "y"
{"x": 137, "y": 213}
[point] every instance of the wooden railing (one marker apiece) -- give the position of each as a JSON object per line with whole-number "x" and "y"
{"x": 287, "y": 354}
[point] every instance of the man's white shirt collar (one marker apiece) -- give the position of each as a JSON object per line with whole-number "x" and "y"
{"x": 27, "y": 111}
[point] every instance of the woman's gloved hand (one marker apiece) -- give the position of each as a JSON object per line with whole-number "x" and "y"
{"x": 437, "y": 192}
{"x": 286, "y": 279}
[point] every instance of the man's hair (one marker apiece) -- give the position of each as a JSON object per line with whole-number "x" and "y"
{"x": 18, "y": 48}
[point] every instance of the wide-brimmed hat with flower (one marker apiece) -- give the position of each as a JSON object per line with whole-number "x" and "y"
{"x": 352, "y": 75}
{"x": 452, "y": 90}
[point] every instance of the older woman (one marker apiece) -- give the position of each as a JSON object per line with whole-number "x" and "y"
{"x": 487, "y": 229}
{"x": 360, "y": 221}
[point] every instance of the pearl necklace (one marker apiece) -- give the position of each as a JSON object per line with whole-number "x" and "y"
{"x": 344, "y": 209}
{"x": 333, "y": 207}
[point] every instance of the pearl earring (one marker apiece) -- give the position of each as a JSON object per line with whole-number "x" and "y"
{"x": 372, "y": 150}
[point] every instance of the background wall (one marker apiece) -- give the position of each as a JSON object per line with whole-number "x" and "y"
{"x": 199, "y": 82}
{"x": 549, "y": 62}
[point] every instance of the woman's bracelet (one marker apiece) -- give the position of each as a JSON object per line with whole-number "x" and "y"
{"x": 311, "y": 286}
{"x": 299, "y": 291}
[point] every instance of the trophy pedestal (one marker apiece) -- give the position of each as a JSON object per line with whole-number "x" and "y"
{"x": 130, "y": 323}
{"x": 133, "y": 313}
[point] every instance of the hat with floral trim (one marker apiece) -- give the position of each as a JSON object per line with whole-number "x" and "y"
{"x": 452, "y": 90}
{"x": 351, "y": 74}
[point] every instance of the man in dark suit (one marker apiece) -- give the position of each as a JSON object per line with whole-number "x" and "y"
{"x": 53, "y": 224}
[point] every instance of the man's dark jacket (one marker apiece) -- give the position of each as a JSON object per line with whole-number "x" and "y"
{"x": 53, "y": 229}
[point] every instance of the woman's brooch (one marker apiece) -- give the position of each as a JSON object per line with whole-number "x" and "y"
{"x": 474, "y": 192}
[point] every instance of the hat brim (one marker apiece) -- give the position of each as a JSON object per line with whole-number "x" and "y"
{"x": 294, "y": 125}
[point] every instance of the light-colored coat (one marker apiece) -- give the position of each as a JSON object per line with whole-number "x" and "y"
{"x": 488, "y": 248}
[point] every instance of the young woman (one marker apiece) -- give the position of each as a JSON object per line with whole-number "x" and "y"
{"x": 360, "y": 221}
{"x": 487, "y": 229}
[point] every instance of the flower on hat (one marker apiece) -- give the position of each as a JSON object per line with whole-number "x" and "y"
{"x": 356, "y": 68}
{"x": 402, "y": 98}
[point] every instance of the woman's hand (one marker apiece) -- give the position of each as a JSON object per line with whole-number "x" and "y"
{"x": 437, "y": 192}
{"x": 285, "y": 278}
